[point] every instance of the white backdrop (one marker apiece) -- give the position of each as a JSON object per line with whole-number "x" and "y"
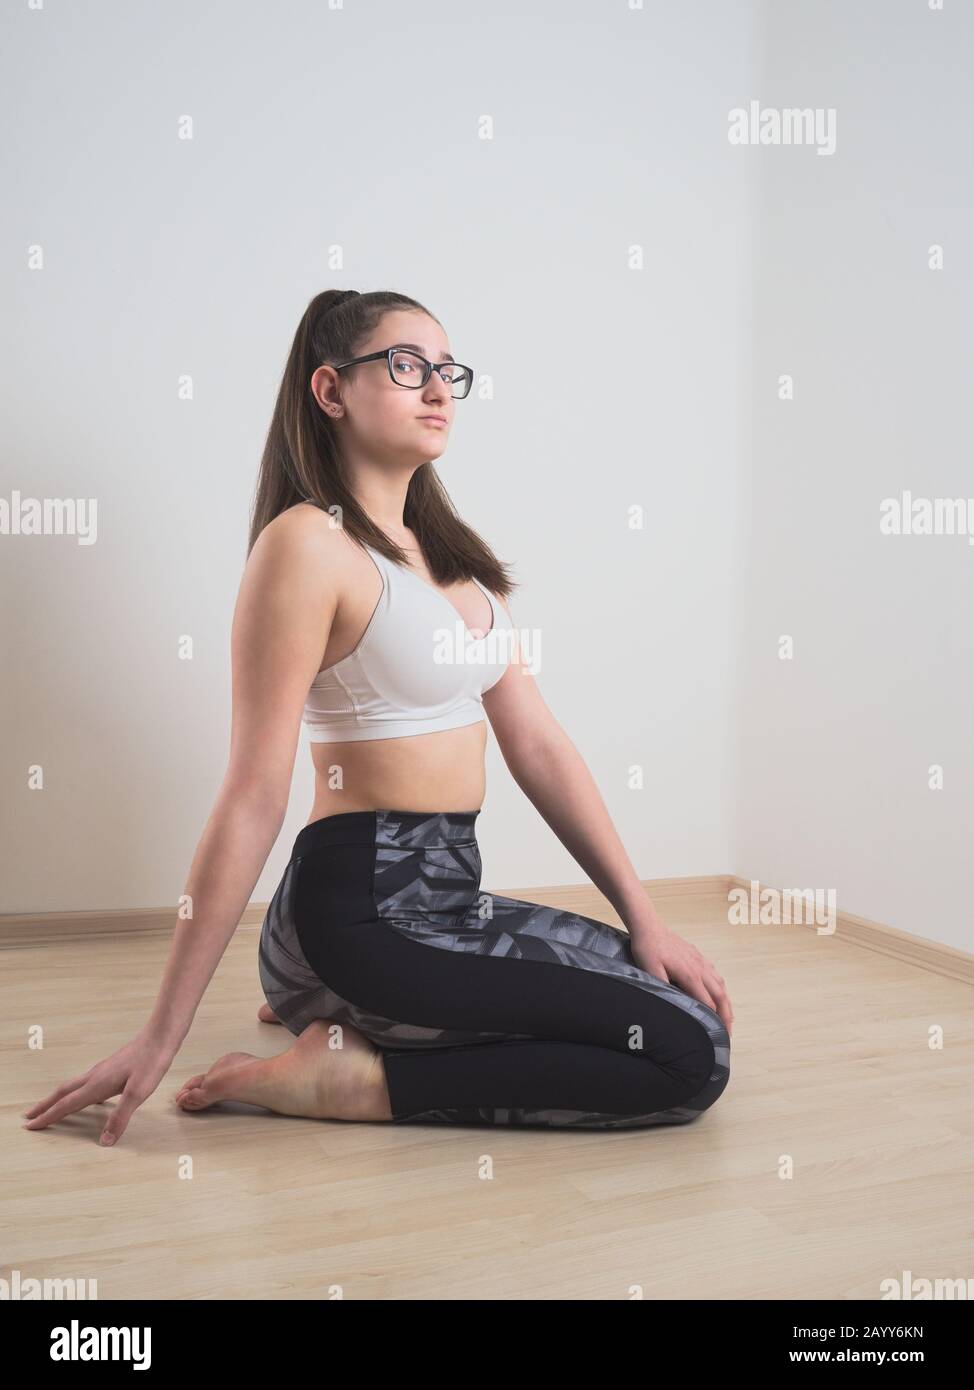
{"x": 557, "y": 183}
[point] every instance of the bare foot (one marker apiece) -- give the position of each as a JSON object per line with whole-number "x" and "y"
{"x": 267, "y": 1015}
{"x": 229, "y": 1060}
{"x": 330, "y": 1072}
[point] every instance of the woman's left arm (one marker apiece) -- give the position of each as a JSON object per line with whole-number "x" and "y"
{"x": 555, "y": 778}
{"x": 553, "y": 775}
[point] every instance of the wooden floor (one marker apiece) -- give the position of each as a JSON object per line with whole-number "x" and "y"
{"x": 831, "y": 1069}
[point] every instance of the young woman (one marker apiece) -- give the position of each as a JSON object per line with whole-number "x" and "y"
{"x": 372, "y": 613}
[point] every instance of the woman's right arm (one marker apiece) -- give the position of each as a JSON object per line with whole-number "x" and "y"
{"x": 282, "y": 620}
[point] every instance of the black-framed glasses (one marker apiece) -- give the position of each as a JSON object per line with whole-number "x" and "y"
{"x": 411, "y": 370}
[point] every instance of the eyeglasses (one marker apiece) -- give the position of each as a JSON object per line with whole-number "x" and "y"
{"x": 412, "y": 371}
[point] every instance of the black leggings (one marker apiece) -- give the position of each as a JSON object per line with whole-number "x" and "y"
{"x": 488, "y": 1010}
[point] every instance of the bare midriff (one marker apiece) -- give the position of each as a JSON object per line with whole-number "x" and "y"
{"x": 442, "y": 771}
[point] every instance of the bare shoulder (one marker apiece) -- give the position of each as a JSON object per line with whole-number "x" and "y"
{"x": 306, "y": 540}
{"x": 307, "y": 526}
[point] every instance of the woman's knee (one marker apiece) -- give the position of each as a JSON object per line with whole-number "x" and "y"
{"x": 706, "y": 1068}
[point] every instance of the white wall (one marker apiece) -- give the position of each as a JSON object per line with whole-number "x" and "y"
{"x": 165, "y": 257}
{"x": 830, "y": 782}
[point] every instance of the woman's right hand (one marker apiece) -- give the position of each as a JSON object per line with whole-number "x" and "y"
{"x": 134, "y": 1071}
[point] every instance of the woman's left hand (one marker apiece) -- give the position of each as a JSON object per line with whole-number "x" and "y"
{"x": 662, "y": 953}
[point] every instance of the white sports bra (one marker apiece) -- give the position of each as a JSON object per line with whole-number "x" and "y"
{"x": 416, "y": 669}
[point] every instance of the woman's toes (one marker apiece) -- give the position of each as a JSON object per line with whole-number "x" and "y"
{"x": 203, "y": 1091}
{"x": 191, "y": 1099}
{"x": 188, "y": 1085}
{"x": 215, "y": 1084}
{"x": 232, "y": 1077}
{"x": 267, "y": 1015}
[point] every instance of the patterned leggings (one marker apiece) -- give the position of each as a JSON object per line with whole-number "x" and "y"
{"x": 488, "y": 1010}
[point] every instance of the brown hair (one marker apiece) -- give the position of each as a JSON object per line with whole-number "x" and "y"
{"x": 301, "y": 461}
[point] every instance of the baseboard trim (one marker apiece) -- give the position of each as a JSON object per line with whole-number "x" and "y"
{"x": 888, "y": 941}
{"x": 41, "y": 928}
{"x": 37, "y": 928}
